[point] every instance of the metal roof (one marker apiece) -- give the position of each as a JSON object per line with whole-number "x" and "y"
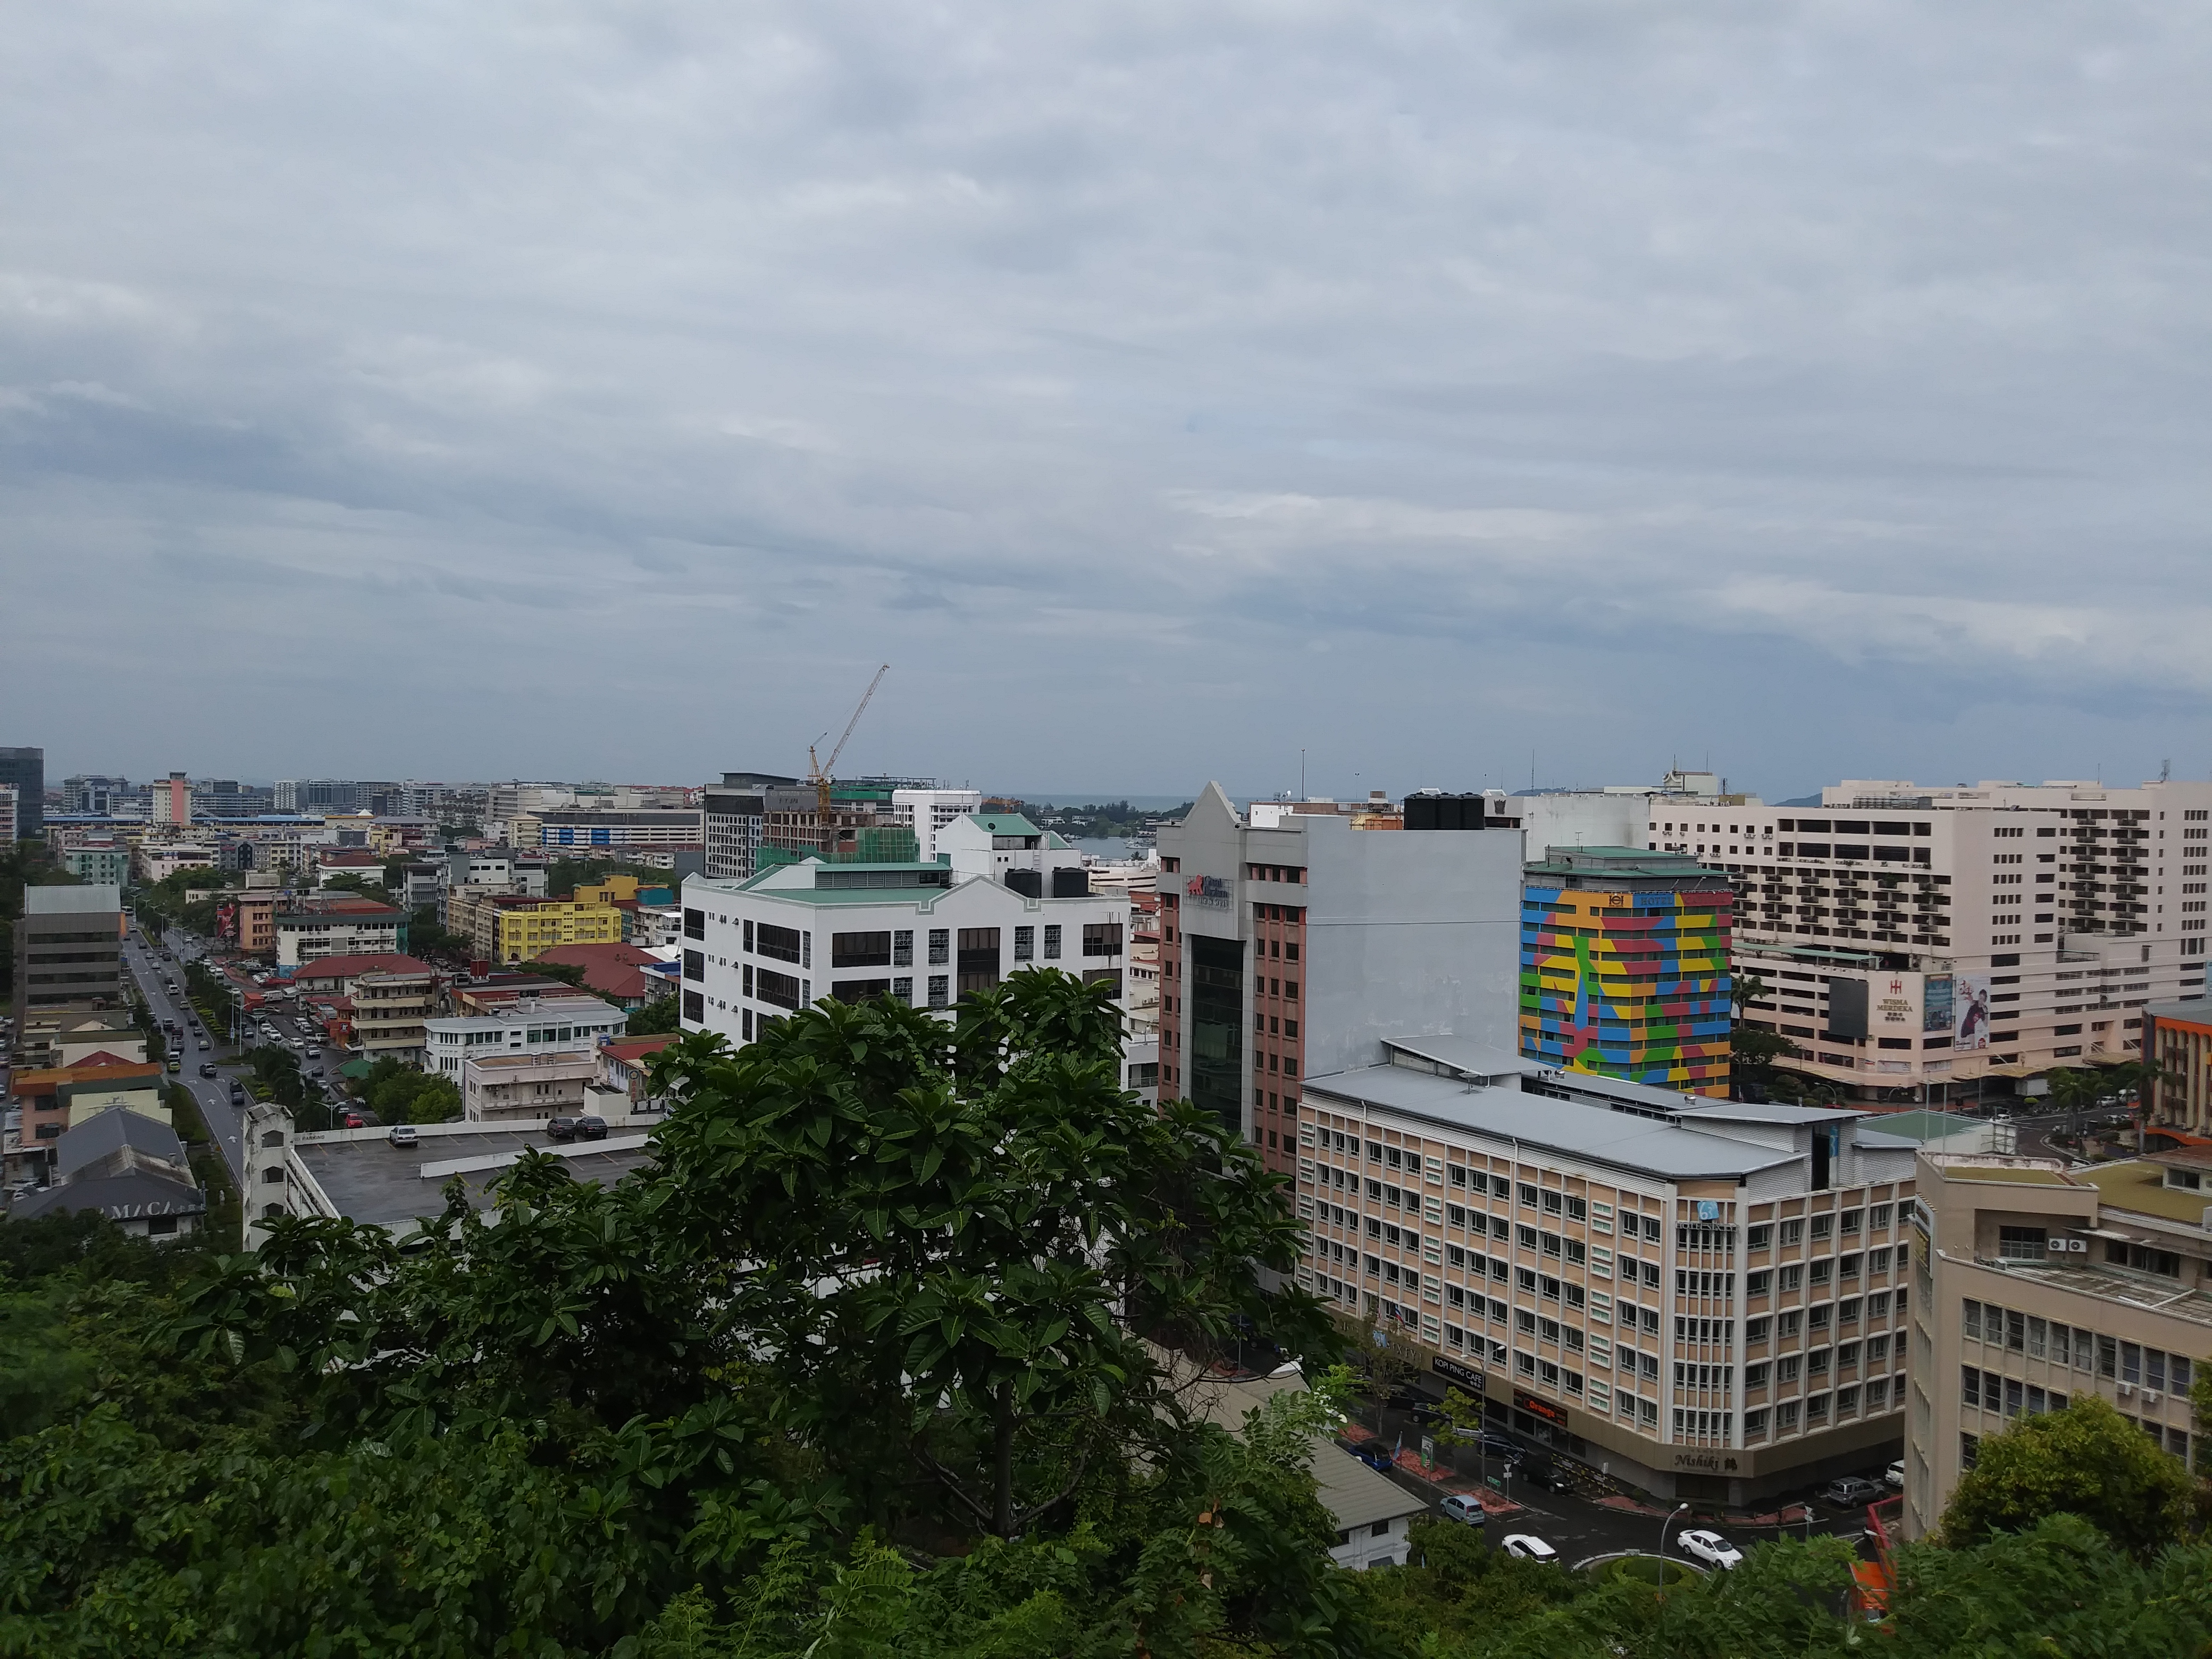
{"x": 1356, "y": 1495}
{"x": 109, "y": 1132}
{"x": 1622, "y": 1140}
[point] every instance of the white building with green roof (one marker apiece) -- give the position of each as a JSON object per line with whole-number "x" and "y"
{"x": 1001, "y": 895}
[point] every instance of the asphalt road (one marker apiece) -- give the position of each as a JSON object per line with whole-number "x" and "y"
{"x": 224, "y": 1121}
{"x": 1579, "y": 1527}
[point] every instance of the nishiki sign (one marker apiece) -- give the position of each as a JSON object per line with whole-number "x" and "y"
{"x": 1207, "y": 890}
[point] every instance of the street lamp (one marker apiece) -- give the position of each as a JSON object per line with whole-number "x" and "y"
{"x": 1663, "y": 1525}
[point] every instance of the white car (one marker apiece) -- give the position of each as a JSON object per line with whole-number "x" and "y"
{"x": 1894, "y": 1476}
{"x": 1711, "y": 1548}
{"x": 1459, "y": 1507}
{"x": 1526, "y": 1547}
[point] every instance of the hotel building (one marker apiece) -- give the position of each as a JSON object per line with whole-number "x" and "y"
{"x": 1705, "y": 1298}
{"x": 1913, "y": 938}
{"x": 1625, "y": 966}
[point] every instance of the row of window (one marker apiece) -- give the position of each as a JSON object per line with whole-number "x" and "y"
{"x": 2073, "y": 1346}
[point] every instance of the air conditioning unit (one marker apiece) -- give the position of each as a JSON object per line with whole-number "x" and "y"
{"x": 2126, "y": 1388}
{"x": 2056, "y": 1246}
{"x": 2077, "y": 1246}
{"x": 2150, "y": 1396}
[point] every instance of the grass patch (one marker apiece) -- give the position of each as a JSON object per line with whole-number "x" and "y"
{"x": 1643, "y": 1570}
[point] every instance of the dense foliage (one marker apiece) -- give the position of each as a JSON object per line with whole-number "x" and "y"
{"x": 865, "y": 1362}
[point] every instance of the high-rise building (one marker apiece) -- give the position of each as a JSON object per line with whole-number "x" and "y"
{"x": 10, "y": 812}
{"x": 1706, "y": 1297}
{"x": 173, "y": 799}
{"x": 26, "y": 768}
{"x": 69, "y": 949}
{"x": 1909, "y": 939}
{"x": 2036, "y": 1283}
{"x": 1625, "y": 966}
{"x": 1293, "y": 943}
{"x": 93, "y": 795}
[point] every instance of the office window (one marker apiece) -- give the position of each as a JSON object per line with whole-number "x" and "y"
{"x": 902, "y": 948}
{"x": 1052, "y": 941}
{"x": 695, "y": 1005}
{"x": 940, "y": 990}
{"x": 940, "y": 946}
{"x": 1024, "y": 944}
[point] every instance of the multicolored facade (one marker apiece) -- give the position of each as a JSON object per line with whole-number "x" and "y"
{"x": 1624, "y": 967}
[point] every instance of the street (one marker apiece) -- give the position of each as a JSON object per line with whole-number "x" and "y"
{"x": 1580, "y": 1527}
{"x": 225, "y": 1121}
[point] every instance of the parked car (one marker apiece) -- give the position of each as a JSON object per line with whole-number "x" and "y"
{"x": 1894, "y": 1476}
{"x": 1499, "y": 1450}
{"x": 351, "y": 1119}
{"x": 1526, "y": 1547}
{"x": 402, "y": 1134}
{"x": 586, "y": 1127}
{"x": 1373, "y": 1456}
{"x": 1852, "y": 1491}
{"x": 1710, "y": 1547}
{"x": 1461, "y": 1508}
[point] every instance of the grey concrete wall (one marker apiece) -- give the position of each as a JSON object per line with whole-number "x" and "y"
{"x": 1409, "y": 933}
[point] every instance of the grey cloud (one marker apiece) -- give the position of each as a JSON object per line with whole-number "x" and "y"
{"x": 1201, "y": 379}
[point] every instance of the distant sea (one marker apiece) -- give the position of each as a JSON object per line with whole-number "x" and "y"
{"x": 1107, "y": 847}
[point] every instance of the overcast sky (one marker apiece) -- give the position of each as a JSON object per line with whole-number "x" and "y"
{"x": 605, "y": 391}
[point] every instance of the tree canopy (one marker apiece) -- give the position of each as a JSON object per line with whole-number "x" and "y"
{"x": 2087, "y": 1459}
{"x": 868, "y": 1358}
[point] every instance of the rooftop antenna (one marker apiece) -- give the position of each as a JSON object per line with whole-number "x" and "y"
{"x": 2165, "y": 769}
{"x": 1302, "y": 772}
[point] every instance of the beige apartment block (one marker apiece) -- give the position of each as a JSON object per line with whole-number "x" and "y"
{"x": 1915, "y": 939}
{"x": 495, "y": 1087}
{"x": 1703, "y": 1298}
{"x": 2034, "y": 1283}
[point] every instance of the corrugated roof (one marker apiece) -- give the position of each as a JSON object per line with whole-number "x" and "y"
{"x": 1355, "y": 1494}
{"x": 110, "y": 1131}
{"x": 72, "y": 900}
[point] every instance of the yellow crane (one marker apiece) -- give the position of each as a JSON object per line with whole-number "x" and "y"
{"x": 818, "y": 772}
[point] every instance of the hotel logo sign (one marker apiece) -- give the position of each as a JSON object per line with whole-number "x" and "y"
{"x": 1207, "y": 890}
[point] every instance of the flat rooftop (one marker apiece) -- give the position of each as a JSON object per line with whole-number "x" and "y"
{"x": 2140, "y": 1186}
{"x": 1626, "y": 1140}
{"x": 371, "y": 1180}
{"x": 2152, "y": 1295}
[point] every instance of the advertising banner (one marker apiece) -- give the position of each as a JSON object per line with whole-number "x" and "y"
{"x": 1935, "y": 1003}
{"x": 1970, "y": 1012}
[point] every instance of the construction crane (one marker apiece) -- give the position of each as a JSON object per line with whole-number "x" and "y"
{"x": 818, "y": 772}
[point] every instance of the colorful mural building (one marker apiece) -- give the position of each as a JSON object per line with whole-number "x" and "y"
{"x": 1625, "y": 966}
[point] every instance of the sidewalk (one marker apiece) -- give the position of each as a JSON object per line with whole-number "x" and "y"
{"x": 1447, "y": 1481}
{"x": 1791, "y": 1515}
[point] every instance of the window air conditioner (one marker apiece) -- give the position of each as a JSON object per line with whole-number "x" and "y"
{"x": 2056, "y": 1245}
{"x": 2126, "y": 1388}
{"x": 2150, "y": 1396}
{"x": 2078, "y": 1246}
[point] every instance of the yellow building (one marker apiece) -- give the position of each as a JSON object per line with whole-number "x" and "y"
{"x": 615, "y": 888}
{"x": 512, "y": 928}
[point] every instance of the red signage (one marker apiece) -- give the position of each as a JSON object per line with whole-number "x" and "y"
{"x": 1543, "y": 1408}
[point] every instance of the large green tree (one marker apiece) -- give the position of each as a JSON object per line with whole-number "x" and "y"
{"x": 2087, "y": 1460}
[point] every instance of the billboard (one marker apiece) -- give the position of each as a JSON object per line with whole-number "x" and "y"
{"x": 1935, "y": 996}
{"x": 1970, "y": 1012}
